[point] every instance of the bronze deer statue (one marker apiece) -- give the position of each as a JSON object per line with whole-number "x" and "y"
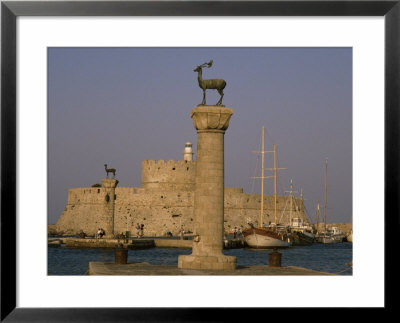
{"x": 109, "y": 170}
{"x": 215, "y": 84}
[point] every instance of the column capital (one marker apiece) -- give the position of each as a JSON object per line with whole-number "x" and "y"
{"x": 109, "y": 182}
{"x": 211, "y": 118}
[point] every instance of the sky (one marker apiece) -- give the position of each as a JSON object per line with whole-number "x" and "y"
{"x": 119, "y": 106}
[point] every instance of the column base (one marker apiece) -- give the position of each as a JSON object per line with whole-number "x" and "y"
{"x": 207, "y": 262}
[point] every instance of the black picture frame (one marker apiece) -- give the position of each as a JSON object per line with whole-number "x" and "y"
{"x": 10, "y": 10}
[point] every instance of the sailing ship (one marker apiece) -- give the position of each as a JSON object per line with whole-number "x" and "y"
{"x": 271, "y": 236}
{"x": 301, "y": 231}
{"x": 332, "y": 234}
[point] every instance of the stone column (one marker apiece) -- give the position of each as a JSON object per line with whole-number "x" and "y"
{"x": 109, "y": 185}
{"x": 211, "y": 123}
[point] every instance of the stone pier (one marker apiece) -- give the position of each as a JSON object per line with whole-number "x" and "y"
{"x": 211, "y": 123}
{"x": 109, "y": 185}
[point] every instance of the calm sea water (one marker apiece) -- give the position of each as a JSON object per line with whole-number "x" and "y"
{"x": 330, "y": 258}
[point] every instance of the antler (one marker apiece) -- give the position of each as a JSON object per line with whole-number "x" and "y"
{"x": 209, "y": 64}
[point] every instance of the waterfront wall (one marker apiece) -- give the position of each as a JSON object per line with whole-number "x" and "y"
{"x": 163, "y": 203}
{"x": 162, "y": 211}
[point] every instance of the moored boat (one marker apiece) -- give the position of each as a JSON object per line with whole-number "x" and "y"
{"x": 324, "y": 237}
{"x": 265, "y": 238}
{"x": 301, "y": 231}
{"x": 332, "y": 235}
{"x": 302, "y": 234}
{"x": 350, "y": 236}
{"x": 271, "y": 236}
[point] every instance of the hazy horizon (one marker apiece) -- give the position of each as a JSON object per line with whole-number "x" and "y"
{"x": 119, "y": 106}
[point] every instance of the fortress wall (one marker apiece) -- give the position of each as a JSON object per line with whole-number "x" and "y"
{"x": 157, "y": 220}
{"x": 179, "y": 175}
{"x": 233, "y": 190}
{"x": 80, "y": 217}
{"x": 163, "y": 203}
{"x": 86, "y": 195}
{"x": 234, "y": 199}
{"x": 83, "y": 211}
{"x": 240, "y": 209}
{"x": 161, "y": 211}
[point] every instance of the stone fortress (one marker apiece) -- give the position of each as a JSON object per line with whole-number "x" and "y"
{"x": 163, "y": 203}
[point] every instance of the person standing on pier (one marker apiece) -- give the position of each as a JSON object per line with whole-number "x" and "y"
{"x": 141, "y": 230}
{"x": 181, "y": 232}
{"x": 138, "y": 230}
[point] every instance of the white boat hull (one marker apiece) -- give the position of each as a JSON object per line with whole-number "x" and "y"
{"x": 330, "y": 239}
{"x": 259, "y": 241}
{"x": 350, "y": 237}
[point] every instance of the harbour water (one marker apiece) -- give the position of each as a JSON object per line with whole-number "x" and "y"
{"x": 332, "y": 258}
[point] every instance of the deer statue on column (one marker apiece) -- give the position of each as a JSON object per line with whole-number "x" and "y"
{"x": 215, "y": 84}
{"x": 109, "y": 170}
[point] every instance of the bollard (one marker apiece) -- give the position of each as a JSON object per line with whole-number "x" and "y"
{"x": 121, "y": 255}
{"x": 275, "y": 258}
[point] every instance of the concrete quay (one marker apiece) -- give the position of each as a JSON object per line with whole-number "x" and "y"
{"x": 146, "y": 269}
{"x": 143, "y": 243}
{"x": 109, "y": 243}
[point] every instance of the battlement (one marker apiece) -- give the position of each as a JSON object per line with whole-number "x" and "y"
{"x": 161, "y": 164}
{"x": 90, "y": 195}
{"x": 168, "y": 174}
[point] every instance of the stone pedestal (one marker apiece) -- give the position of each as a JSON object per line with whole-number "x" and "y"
{"x": 211, "y": 123}
{"x": 109, "y": 185}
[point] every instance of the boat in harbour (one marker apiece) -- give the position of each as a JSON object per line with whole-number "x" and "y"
{"x": 331, "y": 234}
{"x": 300, "y": 230}
{"x": 266, "y": 237}
{"x": 350, "y": 236}
{"x": 273, "y": 235}
{"x": 302, "y": 233}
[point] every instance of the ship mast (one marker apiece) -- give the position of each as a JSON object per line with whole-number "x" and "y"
{"x": 318, "y": 216}
{"x": 275, "y": 185}
{"x": 262, "y": 178}
{"x": 326, "y": 189}
{"x": 291, "y": 202}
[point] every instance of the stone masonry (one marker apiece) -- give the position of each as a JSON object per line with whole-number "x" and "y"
{"x": 211, "y": 122}
{"x": 164, "y": 202}
{"x": 109, "y": 185}
{"x": 162, "y": 210}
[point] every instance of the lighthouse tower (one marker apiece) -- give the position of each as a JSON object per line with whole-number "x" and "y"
{"x": 188, "y": 152}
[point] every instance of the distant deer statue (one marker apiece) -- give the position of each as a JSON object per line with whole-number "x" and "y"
{"x": 216, "y": 84}
{"x": 109, "y": 170}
